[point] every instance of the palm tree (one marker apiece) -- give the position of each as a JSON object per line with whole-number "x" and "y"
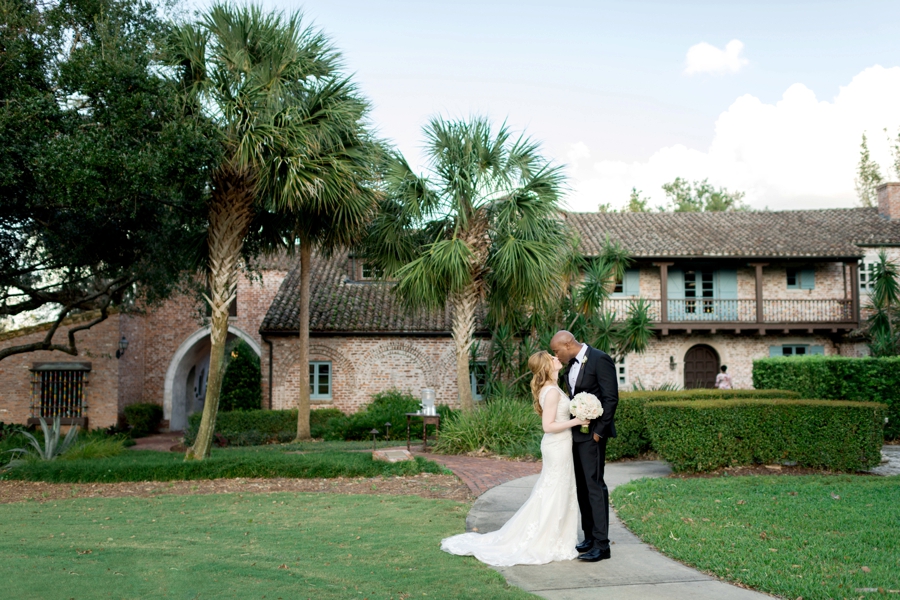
{"x": 482, "y": 226}
{"x": 283, "y": 112}
{"x": 884, "y": 305}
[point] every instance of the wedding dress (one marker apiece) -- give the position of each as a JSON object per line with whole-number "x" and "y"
{"x": 545, "y": 528}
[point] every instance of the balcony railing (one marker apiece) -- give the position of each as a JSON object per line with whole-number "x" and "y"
{"x": 712, "y": 310}
{"x": 807, "y": 311}
{"x": 620, "y": 307}
{"x": 741, "y": 311}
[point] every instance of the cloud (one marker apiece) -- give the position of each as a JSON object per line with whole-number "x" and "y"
{"x": 706, "y": 58}
{"x": 800, "y": 152}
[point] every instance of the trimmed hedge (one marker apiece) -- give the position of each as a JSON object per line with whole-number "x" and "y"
{"x": 256, "y": 427}
{"x": 710, "y": 434}
{"x": 837, "y": 378}
{"x": 633, "y": 439}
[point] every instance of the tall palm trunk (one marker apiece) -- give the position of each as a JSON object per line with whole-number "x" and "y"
{"x": 463, "y": 305}
{"x": 303, "y": 432}
{"x": 230, "y": 214}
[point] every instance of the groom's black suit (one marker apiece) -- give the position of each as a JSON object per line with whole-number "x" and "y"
{"x": 597, "y": 376}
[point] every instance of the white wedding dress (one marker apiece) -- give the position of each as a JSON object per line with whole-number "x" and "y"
{"x": 545, "y": 528}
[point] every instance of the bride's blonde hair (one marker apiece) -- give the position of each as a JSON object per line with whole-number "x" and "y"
{"x": 541, "y": 365}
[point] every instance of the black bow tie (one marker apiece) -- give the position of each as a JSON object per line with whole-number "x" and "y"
{"x": 573, "y": 361}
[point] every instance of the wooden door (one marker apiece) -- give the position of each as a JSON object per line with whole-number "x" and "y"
{"x": 701, "y": 365}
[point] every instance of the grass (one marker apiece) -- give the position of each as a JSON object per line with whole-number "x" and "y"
{"x": 805, "y": 536}
{"x": 280, "y": 545}
{"x": 266, "y": 461}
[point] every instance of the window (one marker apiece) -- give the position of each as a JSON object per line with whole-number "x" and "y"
{"x": 478, "y": 376}
{"x": 370, "y": 271}
{"x": 629, "y": 285}
{"x": 320, "y": 380}
{"x": 866, "y": 276}
{"x": 801, "y": 279}
{"x": 622, "y": 371}
{"x": 58, "y": 390}
{"x": 699, "y": 289}
{"x": 796, "y": 350}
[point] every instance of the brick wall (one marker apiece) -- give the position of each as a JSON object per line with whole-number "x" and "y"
{"x": 363, "y": 366}
{"x": 736, "y": 351}
{"x": 97, "y": 346}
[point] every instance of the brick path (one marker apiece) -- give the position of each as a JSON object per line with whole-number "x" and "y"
{"x": 481, "y": 474}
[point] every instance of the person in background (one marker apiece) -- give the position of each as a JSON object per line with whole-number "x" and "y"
{"x": 723, "y": 379}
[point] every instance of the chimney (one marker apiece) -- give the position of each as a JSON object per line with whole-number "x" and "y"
{"x": 889, "y": 201}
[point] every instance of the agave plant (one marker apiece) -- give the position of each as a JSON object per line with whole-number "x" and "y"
{"x": 51, "y": 447}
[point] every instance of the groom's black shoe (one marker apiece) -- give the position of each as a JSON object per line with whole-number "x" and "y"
{"x": 595, "y": 554}
{"x": 585, "y": 545}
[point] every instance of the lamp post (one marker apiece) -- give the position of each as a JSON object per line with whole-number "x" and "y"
{"x": 374, "y": 432}
{"x": 388, "y": 427}
{"x": 123, "y": 346}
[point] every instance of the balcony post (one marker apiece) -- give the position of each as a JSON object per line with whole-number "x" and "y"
{"x": 759, "y": 290}
{"x": 854, "y": 291}
{"x": 663, "y": 291}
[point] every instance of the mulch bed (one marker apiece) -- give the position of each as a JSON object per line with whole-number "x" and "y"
{"x": 426, "y": 485}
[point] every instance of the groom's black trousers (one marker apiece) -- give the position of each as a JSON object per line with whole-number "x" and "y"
{"x": 593, "y": 496}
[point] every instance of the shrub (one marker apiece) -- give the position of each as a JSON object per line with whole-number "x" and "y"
{"x": 506, "y": 426}
{"x": 51, "y": 448}
{"x": 710, "y": 434}
{"x": 144, "y": 418}
{"x": 257, "y": 427}
{"x": 837, "y": 378}
{"x": 386, "y": 407}
{"x": 242, "y": 382}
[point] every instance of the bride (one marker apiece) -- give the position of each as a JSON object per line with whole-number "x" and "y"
{"x": 545, "y": 528}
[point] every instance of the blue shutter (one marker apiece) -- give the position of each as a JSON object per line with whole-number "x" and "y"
{"x": 631, "y": 285}
{"x": 727, "y": 284}
{"x": 807, "y": 279}
{"x": 774, "y": 351}
{"x": 675, "y": 288}
{"x": 820, "y": 350}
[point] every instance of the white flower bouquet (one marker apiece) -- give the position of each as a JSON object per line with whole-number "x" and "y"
{"x": 586, "y": 407}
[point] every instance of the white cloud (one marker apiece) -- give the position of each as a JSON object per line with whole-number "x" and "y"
{"x": 706, "y": 58}
{"x": 800, "y": 152}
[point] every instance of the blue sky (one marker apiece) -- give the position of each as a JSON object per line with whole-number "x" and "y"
{"x": 604, "y": 87}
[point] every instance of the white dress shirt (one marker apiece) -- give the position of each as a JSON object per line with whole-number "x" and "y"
{"x": 576, "y": 367}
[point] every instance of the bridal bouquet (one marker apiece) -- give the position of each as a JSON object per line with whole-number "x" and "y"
{"x": 586, "y": 407}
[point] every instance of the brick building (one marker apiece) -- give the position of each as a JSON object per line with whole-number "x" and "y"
{"x": 724, "y": 288}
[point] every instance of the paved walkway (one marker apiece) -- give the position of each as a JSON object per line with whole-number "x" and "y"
{"x": 482, "y": 474}
{"x": 634, "y": 572}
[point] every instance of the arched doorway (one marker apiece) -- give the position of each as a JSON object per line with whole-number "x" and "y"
{"x": 701, "y": 365}
{"x": 185, "y": 384}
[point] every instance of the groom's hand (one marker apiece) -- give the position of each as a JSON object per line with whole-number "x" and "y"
{"x": 596, "y": 437}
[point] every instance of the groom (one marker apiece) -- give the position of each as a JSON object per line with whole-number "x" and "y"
{"x": 590, "y": 370}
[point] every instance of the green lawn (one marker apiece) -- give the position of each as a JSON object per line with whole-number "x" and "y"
{"x": 280, "y": 545}
{"x": 804, "y": 536}
{"x": 260, "y": 461}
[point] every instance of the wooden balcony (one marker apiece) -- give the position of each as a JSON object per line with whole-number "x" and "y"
{"x": 825, "y": 315}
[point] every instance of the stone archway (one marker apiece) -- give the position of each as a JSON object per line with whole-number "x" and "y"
{"x": 701, "y": 365}
{"x": 185, "y": 384}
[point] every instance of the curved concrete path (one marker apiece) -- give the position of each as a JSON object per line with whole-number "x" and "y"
{"x": 635, "y": 572}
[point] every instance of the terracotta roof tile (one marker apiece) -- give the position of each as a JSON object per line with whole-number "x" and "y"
{"x": 825, "y": 233}
{"x": 340, "y": 304}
